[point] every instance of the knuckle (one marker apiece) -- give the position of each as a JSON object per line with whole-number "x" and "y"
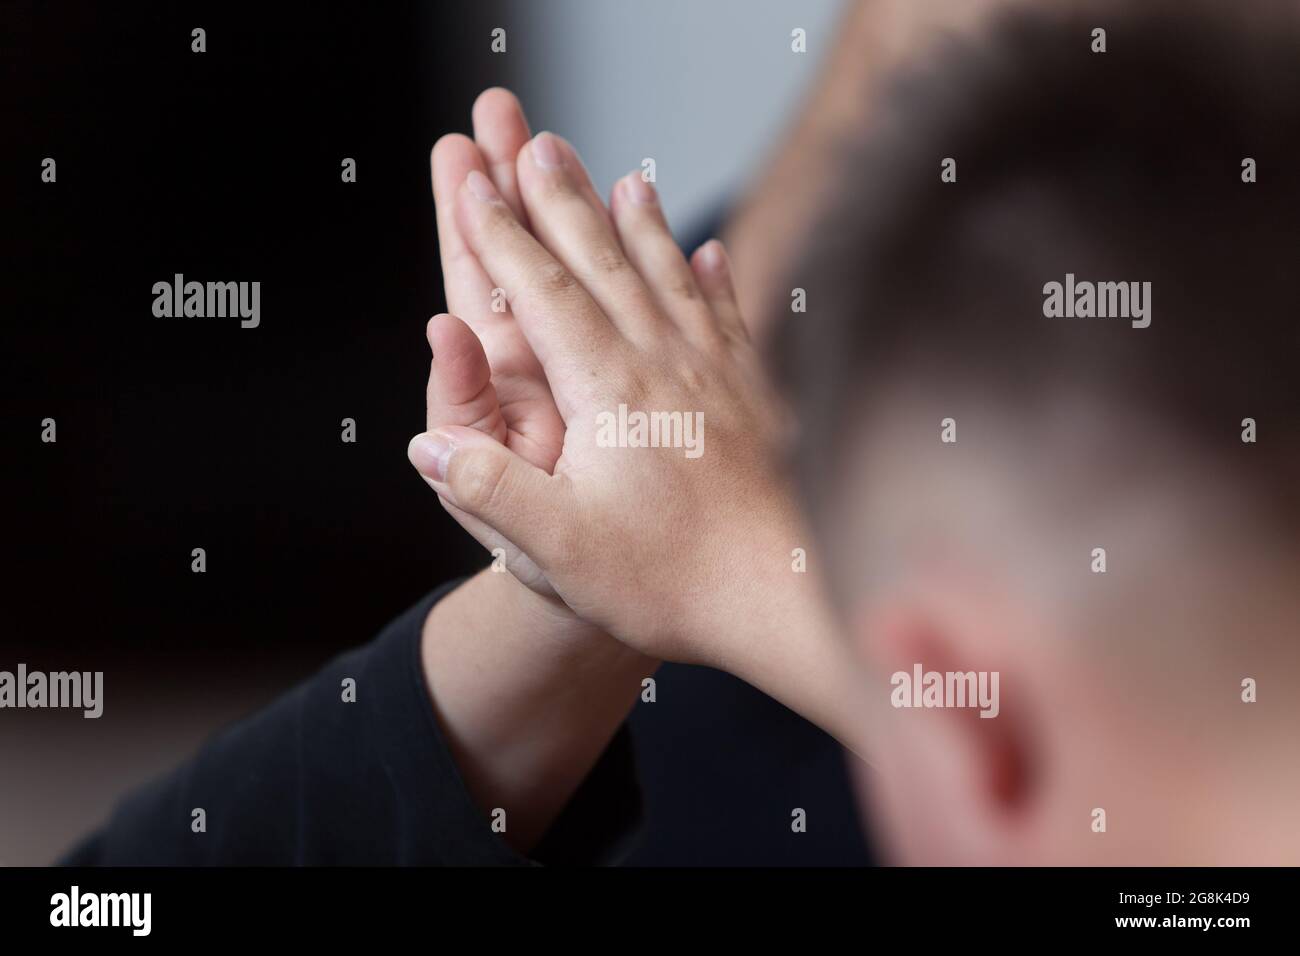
{"x": 608, "y": 261}
{"x": 630, "y": 386}
{"x": 553, "y": 279}
{"x": 553, "y": 188}
{"x": 711, "y": 343}
{"x": 478, "y": 482}
{"x": 693, "y": 376}
{"x": 497, "y": 221}
{"x": 684, "y": 287}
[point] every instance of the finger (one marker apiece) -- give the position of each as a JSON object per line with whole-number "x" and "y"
{"x": 460, "y": 390}
{"x": 712, "y": 268}
{"x": 578, "y": 232}
{"x": 500, "y": 131}
{"x": 644, "y": 234}
{"x": 484, "y": 479}
{"x": 468, "y": 287}
{"x": 569, "y": 334}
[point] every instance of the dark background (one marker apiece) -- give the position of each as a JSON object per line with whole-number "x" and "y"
{"x": 178, "y": 433}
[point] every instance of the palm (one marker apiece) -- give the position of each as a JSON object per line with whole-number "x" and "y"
{"x": 533, "y": 427}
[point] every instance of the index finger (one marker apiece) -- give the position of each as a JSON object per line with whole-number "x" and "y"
{"x": 571, "y": 336}
{"x": 500, "y": 132}
{"x": 468, "y": 288}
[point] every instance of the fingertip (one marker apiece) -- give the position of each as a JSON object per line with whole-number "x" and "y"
{"x": 461, "y": 369}
{"x": 440, "y": 327}
{"x": 429, "y": 453}
{"x": 452, "y": 158}
{"x": 495, "y": 103}
{"x": 447, "y": 333}
{"x": 449, "y": 142}
{"x": 711, "y": 259}
{"x": 712, "y": 268}
{"x": 638, "y": 190}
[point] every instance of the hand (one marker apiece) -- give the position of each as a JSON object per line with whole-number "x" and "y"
{"x": 655, "y": 544}
{"x": 681, "y": 552}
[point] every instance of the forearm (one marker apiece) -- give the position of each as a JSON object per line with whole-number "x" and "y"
{"x": 527, "y": 695}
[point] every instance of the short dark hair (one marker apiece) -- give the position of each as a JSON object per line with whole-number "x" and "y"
{"x": 1122, "y": 165}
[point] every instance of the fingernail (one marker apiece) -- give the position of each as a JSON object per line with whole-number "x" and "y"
{"x": 712, "y": 256}
{"x": 430, "y": 453}
{"x": 640, "y": 191}
{"x": 481, "y": 186}
{"x": 547, "y": 152}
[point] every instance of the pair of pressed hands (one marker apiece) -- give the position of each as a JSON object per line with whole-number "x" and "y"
{"x": 627, "y": 555}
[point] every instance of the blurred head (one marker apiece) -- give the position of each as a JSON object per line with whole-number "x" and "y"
{"x": 1067, "y": 501}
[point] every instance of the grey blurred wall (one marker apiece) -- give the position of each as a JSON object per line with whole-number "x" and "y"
{"x": 702, "y": 86}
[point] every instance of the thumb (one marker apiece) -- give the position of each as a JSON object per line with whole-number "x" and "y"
{"x": 485, "y": 479}
{"x": 460, "y": 390}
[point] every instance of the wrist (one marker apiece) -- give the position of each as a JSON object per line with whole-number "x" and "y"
{"x": 548, "y": 616}
{"x": 551, "y": 634}
{"x": 527, "y": 696}
{"x": 785, "y": 640}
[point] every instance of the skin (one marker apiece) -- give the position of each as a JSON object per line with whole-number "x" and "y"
{"x": 618, "y": 557}
{"x": 1123, "y": 697}
{"x": 505, "y": 647}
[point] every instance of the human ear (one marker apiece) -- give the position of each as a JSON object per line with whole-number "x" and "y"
{"x": 958, "y": 737}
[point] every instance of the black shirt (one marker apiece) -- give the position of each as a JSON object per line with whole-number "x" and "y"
{"x": 315, "y": 780}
